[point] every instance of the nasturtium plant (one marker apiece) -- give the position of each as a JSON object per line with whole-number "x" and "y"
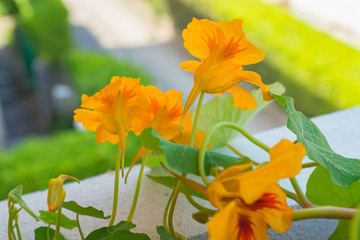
{"x": 245, "y": 196}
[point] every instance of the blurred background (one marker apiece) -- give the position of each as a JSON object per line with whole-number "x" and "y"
{"x": 53, "y": 51}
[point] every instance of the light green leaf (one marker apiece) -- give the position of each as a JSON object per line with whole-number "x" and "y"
{"x": 342, "y": 231}
{"x": 16, "y": 196}
{"x": 88, "y": 211}
{"x": 343, "y": 171}
{"x": 171, "y": 182}
{"x": 50, "y": 218}
{"x": 183, "y": 158}
{"x": 221, "y": 109}
{"x": 41, "y": 234}
{"x": 163, "y": 234}
{"x": 320, "y": 190}
{"x": 155, "y": 160}
{"x": 120, "y": 231}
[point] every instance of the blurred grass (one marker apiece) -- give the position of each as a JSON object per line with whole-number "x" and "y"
{"x": 91, "y": 71}
{"x": 321, "y": 73}
{"x": 33, "y": 162}
{"x": 38, "y": 159}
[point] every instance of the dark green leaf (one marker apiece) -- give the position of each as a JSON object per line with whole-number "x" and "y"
{"x": 15, "y": 195}
{"x": 184, "y": 158}
{"x": 221, "y": 109}
{"x": 202, "y": 216}
{"x": 171, "y": 182}
{"x": 321, "y": 190}
{"x": 50, "y": 218}
{"x": 41, "y": 234}
{"x": 88, "y": 211}
{"x": 163, "y": 234}
{"x": 120, "y": 231}
{"x": 343, "y": 171}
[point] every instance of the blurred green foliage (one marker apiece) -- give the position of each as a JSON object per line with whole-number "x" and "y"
{"x": 8, "y": 7}
{"x": 91, "y": 71}
{"x": 321, "y": 73}
{"x": 45, "y": 22}
{"x": 38, "y": 159}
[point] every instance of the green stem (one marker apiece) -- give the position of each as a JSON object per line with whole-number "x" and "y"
{"x": 166, "y": 212}
{"x": 329, "y": 212}
{"x": 137, "y": 190}
{"x": 211, "y": 131}
{"x": 310, "y": 164}
{"x": 196, "y": 119}
{"x": 179, "y": 184}
{"x": 172, "y": 208}
{"x": 293, "y": 196}
{"x": 302, "y": 198}
{"x": 116, "y": 185}
{"x": 240, "y": 154}
{"x": 18, "y": 231}
{"x": 78, "y": 223}
{"x": 195, "y": 204}
{"x": 354, "y": 226}
{"x": 11, "y": 217}
{"x": 57, "y": 229}
{"x": 48, "y": 232}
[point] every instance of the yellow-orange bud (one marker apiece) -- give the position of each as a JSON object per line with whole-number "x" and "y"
{"x": 56, "y": 194}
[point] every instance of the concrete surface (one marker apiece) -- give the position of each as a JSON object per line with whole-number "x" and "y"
{"x": 340, "y": 128}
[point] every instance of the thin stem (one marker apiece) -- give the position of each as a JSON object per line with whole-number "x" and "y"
{"x": 211, "y": 131}
{"x": 195, "y": 204}
{"x": 240, "y": 154}
{"x": 329, "y": 212}
{"x": 196, "y": 119}
{"x": 116, "y": 185}
{"x": 137, "y": 190}
{"x": 310, "y": 164}
{"x": 302, "y": 198}
{"x": 172, "y": 208}
{"x": 57, "y": 229}
{"x": 11, "y": 217}
{"x": 166, "y": 212}
{"x": 78, "y": 223}
{"x": 354, "y": 227}
{"x": 293, "y": 196}
{"x": 18, "y": 231}
{"x": 48, "y": 232}
{"x": 179, "y": 184}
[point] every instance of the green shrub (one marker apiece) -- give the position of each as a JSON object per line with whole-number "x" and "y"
{"x": 92, "y": 71}
{"x": 45, "y": 22}
{"x": 321, "y": 73}
{"x": 34, "y": 162}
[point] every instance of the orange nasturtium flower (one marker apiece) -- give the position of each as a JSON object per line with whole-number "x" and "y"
{"x": 223, "y": 51}
{"x": 248, "y": 201}
{"x": 164, "y": 115}
{"x": 56, "y": 193}
{"x": 112, "y": 111}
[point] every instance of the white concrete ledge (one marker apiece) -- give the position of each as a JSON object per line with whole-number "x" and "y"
{"x": 341, "y": 129}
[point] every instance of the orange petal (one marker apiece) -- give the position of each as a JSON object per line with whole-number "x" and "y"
{"x": 194, "y": 93}
{"x": 242, "y": 98}
{"x": 139, "y": 155}
{"x": 200, "y": 37}
{"x": 89, "y": 119}
{"x": 254, "y": 78}
{"x": 274, "y": 209}
{"x": 190, "y": 66}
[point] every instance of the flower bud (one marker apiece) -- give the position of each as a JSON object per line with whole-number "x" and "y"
{"x": 56, "y": 194}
